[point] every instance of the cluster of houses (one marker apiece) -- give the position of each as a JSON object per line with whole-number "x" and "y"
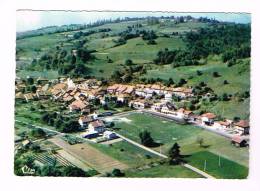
{"x": 94, "y": 128}
{"x": 78, "y": 93}
{"x": 206, "y": 119}
{"x": 40, "y": 93}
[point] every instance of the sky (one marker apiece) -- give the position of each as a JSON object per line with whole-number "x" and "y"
{"x": 30, "y": 20}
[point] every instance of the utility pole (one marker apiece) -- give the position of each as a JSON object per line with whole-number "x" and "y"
{"x": 219, "y": 164}
{"x": 205, "y": 165}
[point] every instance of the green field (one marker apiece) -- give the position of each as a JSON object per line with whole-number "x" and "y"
{"x": 163, "y": 171}
{"x": 50, "y": 74}
{"x": 168, "y": 132}
{"x": 238, "y": 75}
{"x": 127, "y": 153}
{"x": 218, "y": 167}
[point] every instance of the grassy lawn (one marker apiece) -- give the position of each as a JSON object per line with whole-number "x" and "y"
{"x": 138, "y": 50}
{"x": 127, "y": 153}
{"x": 50, "y": 74}
{"x": 168, "y": 132}
{"x": 226, "y": 169}
{"x": 237, "y": 75}
{"x": 163, "y": 171}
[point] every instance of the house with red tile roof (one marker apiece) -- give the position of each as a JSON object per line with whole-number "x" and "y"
{"x": 85, "y": 120}
{"x": 96, "y": 126}
{"x": 208, "y": 118}
{"x": 242, "y": 127}
{"x": 77, "y": 105}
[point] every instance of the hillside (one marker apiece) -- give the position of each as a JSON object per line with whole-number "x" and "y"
{"x": 149, "y": 51}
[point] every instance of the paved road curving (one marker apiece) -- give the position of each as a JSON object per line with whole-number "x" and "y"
{"x": 204, "y": 174}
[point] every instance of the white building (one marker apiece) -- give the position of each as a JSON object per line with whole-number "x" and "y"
{"x": 109, "y": 135}
{"x": 96, "y": 126}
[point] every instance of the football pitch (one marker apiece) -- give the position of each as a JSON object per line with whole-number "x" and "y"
{"x": 168, "y": 132}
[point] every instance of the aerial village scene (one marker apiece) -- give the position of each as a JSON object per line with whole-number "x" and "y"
{"x": 146, "y": 96}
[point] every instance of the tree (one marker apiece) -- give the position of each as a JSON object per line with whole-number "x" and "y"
{"x": 225, "y": 82}
{"x": 200, "y": 141}
{"x": 117, "y": 173}
{"x": 146, "y": 138}
{"x": 73, "y": 172}
{"x": 30, "y": 80}
{"x": 39, "y": 133}
{"x": 33, "y": 88}
{"x": 224, "y": 97}
{"x": 70, "y": 126}
{"x": 109, "y": 60}
{"x": 116, "y": 76}
{"x": 174, "y": 154}
{"x": 50, "y": 170}
{"x": 199, "y": 73}
{"x": 181, "y": 82}
{"x": 128, "y": 62}
{"x": 216, "y": 74}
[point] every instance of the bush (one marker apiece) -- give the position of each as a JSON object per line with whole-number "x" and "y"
{"x": 216, "y": 74}
{"x": 128, "y": 62}
{"x": 39, "y": 133}
{"x": 225, "y": 82}
{"x": 199, "y": 73}
{"x": 117, "y": 173}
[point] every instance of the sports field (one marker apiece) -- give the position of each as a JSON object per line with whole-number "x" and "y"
{"x": 218, "y": 166}
{"x": 168, "y": 132}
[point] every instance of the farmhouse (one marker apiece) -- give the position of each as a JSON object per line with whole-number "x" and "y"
{"x": 183, "y": 114}
{"x": 208, "y": 118}
{"x": 58, "y": 90}
{"x": 120, "y": 89}
{"x": 96, "y": 126}
{"x": 77, "y": 105}
{"x": 238, "y": 141}
{"x": 138, "y": 104}
{"x": 112, "y": 89}
{"x": 157, "y": 89}
{"x": 169, "y": 109}
{"x": 242, "y": 127}
{"x": 122, "y": 98}
{"x": 222, "y": 124}
{"x": 129, "y": 90}
{"x": 85, "y": 120}
{"x": 182, "y": 92}
{"x": 168, "y": 97}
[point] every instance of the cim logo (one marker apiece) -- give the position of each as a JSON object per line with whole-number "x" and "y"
{"x": 27, "y": 170}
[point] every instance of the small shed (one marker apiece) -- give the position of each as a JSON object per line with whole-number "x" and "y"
{"x": 239, "y": 142}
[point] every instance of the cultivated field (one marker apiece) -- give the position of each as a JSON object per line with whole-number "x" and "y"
{"x": 91, "y": 156}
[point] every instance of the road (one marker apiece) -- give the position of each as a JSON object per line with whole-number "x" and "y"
{"x": 204, "y": 174}
{"x": 44, "y": 128}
